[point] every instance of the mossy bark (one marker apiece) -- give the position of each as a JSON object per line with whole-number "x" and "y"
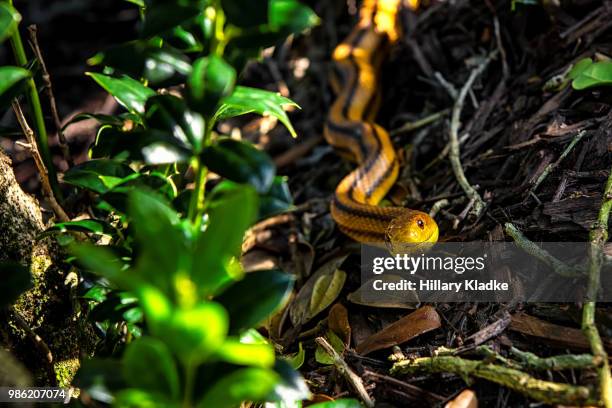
{"x": 48, "y": 308}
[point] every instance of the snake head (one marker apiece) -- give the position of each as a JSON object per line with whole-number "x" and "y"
{"x": 414, "y": 231}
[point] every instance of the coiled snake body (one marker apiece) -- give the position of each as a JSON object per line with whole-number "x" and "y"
{"x": 350, "y": 128}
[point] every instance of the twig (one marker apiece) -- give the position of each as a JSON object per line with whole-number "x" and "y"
{"x": 44, "y": 175}
{"x": 38, "y": 342}
{"x": 544, "y": 256}
{"x": 555, "y": 363}
{"x": 437, "y": 206}
{"x": 545, "y": 391}
{"x": 454, "y": 153}
{"x": 408, "y": 126}
{"x": 548, "y": 169}
{"x": 450, "y": 88}
{"x": 598, "y": 237}
{"x": 49, "y": 88}
{"x": 353, "y": 379}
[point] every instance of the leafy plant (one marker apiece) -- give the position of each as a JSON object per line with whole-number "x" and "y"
{"x": 587, "y": 74}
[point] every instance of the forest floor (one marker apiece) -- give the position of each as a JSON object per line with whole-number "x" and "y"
{"x": 515, "y": 123}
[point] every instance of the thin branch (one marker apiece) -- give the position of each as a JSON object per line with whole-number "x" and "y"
{"x": 529, "y": 247}
{"x": 545, "y": 391}
{"x": 38, "y": 160}
{"x": 454, "y": 153}
{"x": 556, "y": 163}
{"x": 427, "y": 120}
{"x": 49, "y": 88}
{"x": 353, "y": 379}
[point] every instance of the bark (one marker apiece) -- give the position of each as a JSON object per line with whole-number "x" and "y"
{"x": 47, "y": 314}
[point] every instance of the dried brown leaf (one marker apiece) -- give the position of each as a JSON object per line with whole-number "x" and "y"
{"x": 408, "y": 327}
{"x": 467, "y": 399}
{"x": 338, "y": 322}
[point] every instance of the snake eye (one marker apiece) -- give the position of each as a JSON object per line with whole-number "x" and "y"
{"x": 421, "y": 224}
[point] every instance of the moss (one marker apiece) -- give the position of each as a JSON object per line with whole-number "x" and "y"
{"x": 65, "y": 371}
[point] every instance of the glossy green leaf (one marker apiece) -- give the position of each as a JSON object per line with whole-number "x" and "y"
{"x": 246, "y": 13}
{"x": 130, "y": 93}
{"x": 256, "y": 355}
{"x": 241, "y": 162}
{"x": 291, "y": 386}
{"x": 115, "y": 307}
{"x": 231, "y": 210}
{"x": 579, "y": 67}
{"x": 92, "y": 226}
{"x": 248, "y": 384}
{"x": 98, "y": 175}
{"x": 9, "y": 19}
{"x": 118, "y": 196}
{"x": 255, "y": 297}
{"x": 170, "y": 114}
{"x": 163, "y": 251}
{"x": 596, "y": 74}
{"x": 12, "y": 79}
{"x": 197, "y": 333}
{"x": 103, "y": 262}
{"x": 291, "y": 16}
{"x": 248, "y": 100}
{"x": 16, "y": 279}
{"x": 148, "y": 365}
{"x": 154, "y": 60}
{"x": 162, "y": 17}
{"x": 276, "y": 200}
{"x": 211, "y": 79}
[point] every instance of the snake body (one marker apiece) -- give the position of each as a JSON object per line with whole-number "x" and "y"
{"x": 351, "y": 130}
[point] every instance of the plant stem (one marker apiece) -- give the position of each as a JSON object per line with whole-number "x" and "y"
{"x": 598, "y": 237}
{"x": 189, "y": 383}
{"x": 36, "y": 110}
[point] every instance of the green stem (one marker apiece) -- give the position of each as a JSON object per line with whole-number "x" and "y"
{"x": 36, "y": 110}
{"x": 189, "y": 384}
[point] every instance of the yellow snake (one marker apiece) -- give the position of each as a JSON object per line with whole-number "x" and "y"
{"x": 350, "y": 128}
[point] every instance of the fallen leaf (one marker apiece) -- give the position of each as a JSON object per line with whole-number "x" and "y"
{"x": 553, "y": 334}
{"x": 366, "y": 296}
{"x": 467, "y": 399}
{"x": 338, "y": 322}
{"x": 296, "y": 360}
{"x": 408, "y": 327}
{"x": 319, "y": 291}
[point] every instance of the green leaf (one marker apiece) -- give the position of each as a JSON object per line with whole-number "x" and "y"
{"x": 98, "y": 175}
{"x": 211, "y": 79}
{"x": 154, "y": 60}
{"x": 103, "y": 262}
{"x": 340, "y": 403}
{"x": 101, "y": 378}
{"x": 170, "y": 114}
{"x": 579, "y": 67}
{"x": 255, "y": 297}
{"x": 248, "y": 100}
{"x": 248, "y": 384}
{"x": 241, "y": 162}
{"x": 596, "y": 74}
{"x": 231, "y": 210}
{"x": 322, "y": 356}
{"x": 246, "y": 13}
{"x": 11, "y": 81}
{"x": 91, "y": 226}
{"x": 148, "y": 365}
{"x": 296, "y": 360}
{"x": 197, "y": 333}
{"x": 16, "y": 279}
{"x": 165, "y": 16}
{"x": 163, "y": 253}
{"x": 130, "y": 93}
{"x": 291, "y": 16}
{"x": 291, "y": 386}
{"x": 136, "y": 398}
{"x": 277, "y": 200}
{"x": 9, "y": 19}
{"x": 257, "y": 355}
